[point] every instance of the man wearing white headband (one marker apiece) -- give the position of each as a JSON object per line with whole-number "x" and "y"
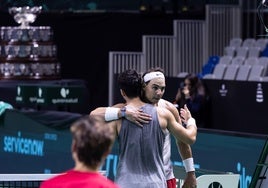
{"x": 152, "y": 75}
{"x": 153, "y": 91}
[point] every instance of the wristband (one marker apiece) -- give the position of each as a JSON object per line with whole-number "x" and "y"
{"x": 189, "y": 164}
{"x": 111, "y": 113}
{"x": 191, "y": 121}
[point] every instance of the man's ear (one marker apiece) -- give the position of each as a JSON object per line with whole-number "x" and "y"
{"x": 122, "y": 93}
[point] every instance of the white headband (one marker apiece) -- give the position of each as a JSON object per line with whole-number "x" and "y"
{"x": 153, "y": 75}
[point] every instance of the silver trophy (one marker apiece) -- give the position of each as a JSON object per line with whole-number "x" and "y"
{"x": 25, "y": 15}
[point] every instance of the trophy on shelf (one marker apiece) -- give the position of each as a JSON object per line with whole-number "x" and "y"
{"x": 24, "y": 32}
{"x": 27, "y": 52}
{"x": 25, "y": 15}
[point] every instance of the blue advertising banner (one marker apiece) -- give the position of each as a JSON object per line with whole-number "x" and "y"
{"x": 27, "y": 146}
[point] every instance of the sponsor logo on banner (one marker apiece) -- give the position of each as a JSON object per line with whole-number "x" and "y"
{"x": 223, "y": 91}
{"x": 259, "y": 93}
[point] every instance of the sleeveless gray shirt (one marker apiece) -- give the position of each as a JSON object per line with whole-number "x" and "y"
{"x": 141, "y": 154}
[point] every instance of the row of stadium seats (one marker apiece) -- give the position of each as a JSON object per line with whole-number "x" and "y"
{"x": 237, "y": 72}
{"x": 242, "y": 60}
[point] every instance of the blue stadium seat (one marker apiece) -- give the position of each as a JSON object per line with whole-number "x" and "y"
{"x": 209, "y": 66}
{"x": 213, "y": 59}
{"x": 265, "y": 51}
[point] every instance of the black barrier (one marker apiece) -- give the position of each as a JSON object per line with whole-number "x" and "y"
{"x": 239, "y": 106}
{"x": 62, "y": 95}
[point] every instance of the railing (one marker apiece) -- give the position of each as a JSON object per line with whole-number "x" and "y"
{"x": 120, "y": 61}
{"x": 191, "y": 45}
{"x": 159, "y": 51}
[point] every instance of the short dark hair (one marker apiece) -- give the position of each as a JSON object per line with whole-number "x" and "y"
{"x": 130, "y": 82}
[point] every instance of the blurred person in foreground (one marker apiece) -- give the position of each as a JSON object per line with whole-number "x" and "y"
{"x": 141, "y": 157}
{"x": 91, "y": 143}
{"x": 193, "y": 93}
